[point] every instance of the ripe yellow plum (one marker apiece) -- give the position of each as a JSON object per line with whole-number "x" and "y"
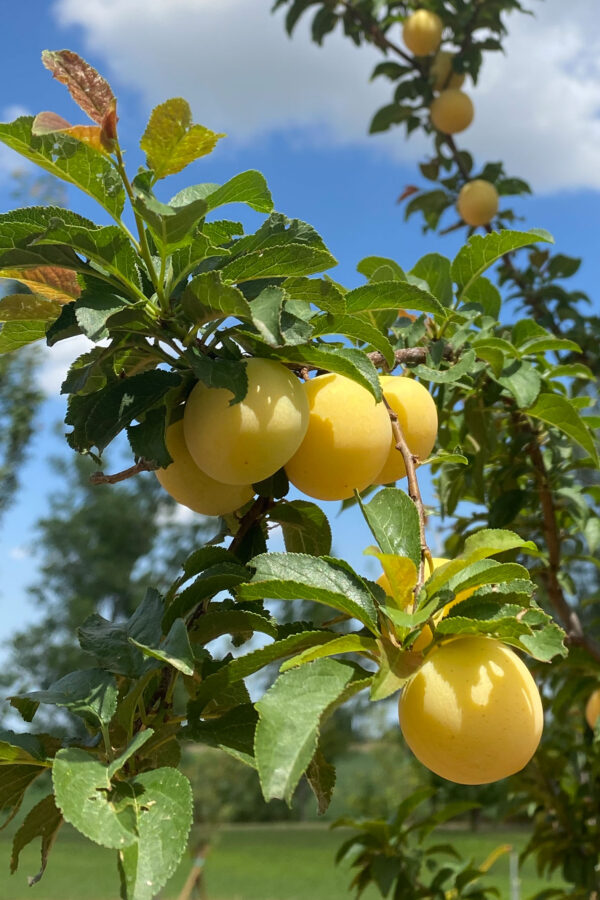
{"x": 477, "y": 202}
{"x": 442, "y": 74}
{"x": 452, "y": 111}
{"x": 249, "y": 441}
{"x": 417, "y": 417}
{"x": 592, "y": 708}
{"x": 347, "y": 440}
{"x": 192, "y": 487}
{"x": 472, "y": 713}
{"x": 422, "y": 32}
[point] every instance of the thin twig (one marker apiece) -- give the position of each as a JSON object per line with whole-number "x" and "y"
{"x": 142, "y": 465}
{"x": 414, "y": 492}
{"x": 257, "y": 511}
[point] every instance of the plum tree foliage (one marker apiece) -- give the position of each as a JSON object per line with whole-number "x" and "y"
{"x": 268, "y": 361}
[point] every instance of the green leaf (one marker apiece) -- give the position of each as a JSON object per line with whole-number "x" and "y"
{"x": 42, "y": 821}
{"x": 321, "y": 776}
{"x": 274, "y": 320}
{"x": 465, "y": 366}
{"x": 298, "y": 576}
{"x": 486, "y": 295}
{"x": 347, "y": 643}
{"x": 236, "y": 670}
{"x": 392, "y": 295}
{"x": 278, "y": 262}
{"x": 69, "y": 159}
{"x": 434, "y": 269}
{"x": 171, "y": 141}
{"x": 233, "y": 731}
{"x": 372, "y": 264}
{"x": 356, "y": 329}
{"x": 305, "y": 527}
{"x": 207, "y": 298}
{"x": 147, "y": 440}
{"x": 482, "y": 251}
{"x": 163, "y": 820}
{"x": 20, "y": 748}
{"x": 204, "y": 558}
{"x": 14, "y": 781}
{"x": 288, "y": 727}
{"x": 220, "y": 373}
{"x": 28, "y": 307}
{"x": 546, "y": 643}
{"x": 98, "y": 418}
{"x": 522, "y": 380}
{"x": 108, "y": 247}
{"x": 352, "y": 363}
{"x": 557, "y": 411}
{"x": 478, "y": 546}
{"x": 170, "y": 226}
{"x": 247, "y": 187}
{"x": 18, "y": 334}
{"x": 231, "y": 621}
{"x": 174, "y": 650}
{"x": 394, "y": 522}
{"x": 93, "y": 312}
{"x": 220, "y": 577}
{"x": 317, "y": 291}
{"x": 89, "y": 693}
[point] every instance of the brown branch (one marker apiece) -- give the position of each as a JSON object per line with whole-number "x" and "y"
{"x": 414, "y": 491}
{"x": 565, "y": 612}
{"x": 142, "y": 465}
{"x": 257, "y": 511}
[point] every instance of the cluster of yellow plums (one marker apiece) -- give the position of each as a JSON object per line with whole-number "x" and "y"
{"x": 472, "y": 712}
{"x": 328, "y": 432}
{"x": 452, "y": 110}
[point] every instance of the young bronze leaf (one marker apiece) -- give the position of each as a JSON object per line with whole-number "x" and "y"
{"x": 89, "y": 90}
{"x": 51, "y": 282}
{"x": 171, "y": 141}
{"x": 43, "y": 821}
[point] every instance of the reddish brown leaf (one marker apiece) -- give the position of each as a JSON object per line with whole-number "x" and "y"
{"x": 87, "y": 88}
{"x": 109, "y": 127}
{"x": 408, "y": 190}
{"x": 49, "y": 281}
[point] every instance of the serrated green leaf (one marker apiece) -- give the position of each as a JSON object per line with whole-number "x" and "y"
{"x": 347, "y": 643}
{"x": 482, "y": 251}
{"x": 236, "y": 670}
{"x": 147, "y": 440}
{"x": 392, "y": 295}
{"x": 465, "y": 366}
{"x": 478, "y": 546}
{"x": 289, "y": 716}
{"x": 14, "y": 335}
{"x": 434, "y": 269}
{"x": 170, "y": 226}
{"x": 555, "y": 410}
{"x": 206, "y": 298}
{"x": 89, "y": 693}
{"x": 394, "y": 522}
{"x": 42, "y": 821}
{"x": 305, "y": 527}
{"x": 278, "y": 262}
{"x": 204, "y": 558}
{"x": 98, "y": 418}
{"x": 175, "y": 650}
{"x": 248, "y": 187}
{"x": 321, "y": 777}
{"x": 231, "y": 621}
{"x": 275, "y": 321}
{"x": 298, "y": 576}
{"x": 546, "y": 643}
{"x": 522, "y": 380}
{"x": 355, "y": 329}
{"x": 70, "y": 160}
{"x": 28, "y": 308}
{"x": 233, "y": 731}
{"x": 220, "y": 577}
{"x": 486, "y": 295}
{"x": 171, "y": 141}
{"x": 14, "y": 781}
{"x": 317, "y": 291}
{"x": 372, "y": 264}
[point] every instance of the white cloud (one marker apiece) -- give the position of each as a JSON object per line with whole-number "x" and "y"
{"x": 536, "y": 107}
{"x": 19, "y": 553}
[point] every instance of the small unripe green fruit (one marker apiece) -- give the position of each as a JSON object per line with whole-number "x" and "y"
{"x": 442, "y": 74}
{"x": 417, "y": 417}
{"x": 472, "y": 713}
{"x": 192, "y": 487}
{"x": 592, "y": 708}
{"x": 346, "y": 443}
{"x": 452, "y": 111}
{"x": 422, "y": 32}
{"x": 249, "y": 441}
{"x": 477, "y": 202}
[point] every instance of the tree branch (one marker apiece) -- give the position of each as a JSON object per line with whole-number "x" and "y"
{"x": 142, "y": 465}
{"x": 414, "y": 492}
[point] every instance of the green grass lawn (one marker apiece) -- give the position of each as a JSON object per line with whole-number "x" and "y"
{"x": 246, "y": 863}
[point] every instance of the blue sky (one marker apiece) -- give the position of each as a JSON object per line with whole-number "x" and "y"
{"x": 300, "y": 115}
